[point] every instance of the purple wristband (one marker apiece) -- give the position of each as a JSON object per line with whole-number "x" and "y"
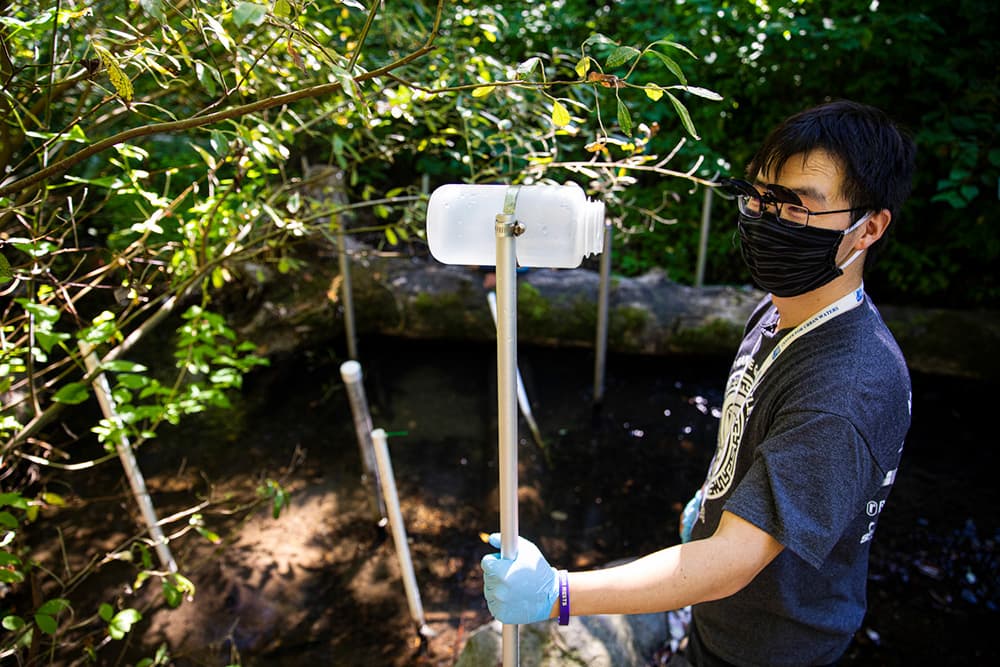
{"x": 563, "y": 597}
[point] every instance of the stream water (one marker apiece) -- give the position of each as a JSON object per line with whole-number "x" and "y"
{"x": 321, "y": 586}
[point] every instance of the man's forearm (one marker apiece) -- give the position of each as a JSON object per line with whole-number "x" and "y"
{"x": 678, "y": 576}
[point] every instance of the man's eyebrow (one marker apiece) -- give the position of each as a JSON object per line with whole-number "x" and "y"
{"x": 802, "y": 191}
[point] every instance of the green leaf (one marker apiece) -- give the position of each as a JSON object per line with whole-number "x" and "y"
{"x": 123, "y": 366}
{"x": 560, "y": 114}
{"x": 671, "y": 65}
{"x": 154, "y": 8}
{"x": 6, "y": 274}
{"x": 282, "y": 9}
{"x": 105, "y": 611}
{"x": 72, "y": 393}
{"x": 527, "y": 67}
{"x": 676, "y": 45}
{"x": 13, "y": 499}
{"x": 11, "y": 576}
{"x": 7, "y": 558}
{"x": 122, "y": 623}
{"x": 46, "y": 624}
{"x": 482, "y": 91}
{"x": 597, "y": 38}
{"x": 54, "y": 606}
{"x": 8, "y": 521}
{"x": 685, "y": 117}
{"x": 249, "y": 12}
{"x": 624, "y": 118}
{"x": 621, "y": 55}
{"x": 12, "y": 623}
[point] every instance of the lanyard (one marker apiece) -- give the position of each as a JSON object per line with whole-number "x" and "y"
{"x": 736, "y": 399}
{"x": 838, "y": 307}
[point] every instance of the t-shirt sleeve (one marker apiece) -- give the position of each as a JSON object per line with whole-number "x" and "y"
{"x": 807, "y": 483}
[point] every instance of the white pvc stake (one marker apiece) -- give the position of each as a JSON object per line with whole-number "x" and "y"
{"x": 507, "y": 403}
{"x": 388, "y": 481}
{"x": 350, "y": 372}
{"x": 522, "y": 393}
{"x": 135, "y": 479}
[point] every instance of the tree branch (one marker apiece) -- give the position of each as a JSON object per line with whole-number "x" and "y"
{"x": 319, "y": 90}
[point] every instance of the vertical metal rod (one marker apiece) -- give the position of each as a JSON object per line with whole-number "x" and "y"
{"x": 125, "y": 452}
{"x": 507, "y": 406}
{"x": 398, "y": 529}
{"x": 706, "y": 219}
{"x": 601, "y": 344}
{"x": 347, "y": 292}
{"x": 522, "y": 392}
{"x": 350, "y": 372}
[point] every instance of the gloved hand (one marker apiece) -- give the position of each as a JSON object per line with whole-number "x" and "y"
{"x": 689, "y": 516}
{"x": 521, "y": 590}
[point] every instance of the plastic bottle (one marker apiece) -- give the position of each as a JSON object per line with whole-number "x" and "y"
{"x": 561, "y": 225}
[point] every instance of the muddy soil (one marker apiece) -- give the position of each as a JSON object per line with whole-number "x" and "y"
{"x": 321, "y": 583}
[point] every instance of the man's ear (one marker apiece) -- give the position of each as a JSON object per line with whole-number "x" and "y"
{"x": 873, "y": 229}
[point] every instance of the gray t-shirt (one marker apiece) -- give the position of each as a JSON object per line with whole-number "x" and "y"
{"x": 812, "y": 465}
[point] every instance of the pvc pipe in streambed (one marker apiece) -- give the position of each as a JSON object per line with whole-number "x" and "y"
{"x": 398, "y": 529}
{"x": 522, "y": 394}
{"x": 350, "y": 372}
{"x": 135, "y": 479}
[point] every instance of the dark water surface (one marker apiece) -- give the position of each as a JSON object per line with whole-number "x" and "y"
{"x": 609, "y": 484}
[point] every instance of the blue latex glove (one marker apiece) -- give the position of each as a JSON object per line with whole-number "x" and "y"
{"x": 689, "y": 516}
{"x": 521, "y": 590}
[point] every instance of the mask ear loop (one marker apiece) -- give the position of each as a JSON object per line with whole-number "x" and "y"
{"x": 857, "y": 253}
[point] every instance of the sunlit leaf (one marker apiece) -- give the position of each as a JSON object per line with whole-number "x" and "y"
{"x": 12, "y": 623}
{"x": 122, "y": 623}
{"x": 154, "y": 8}
{"x": 653, "y": 91}
{"x": 700, "y": 92}
{"x": 482, "y": 91}
{"x": 53, "y": 499}
{"x": 282, "y": 9}
{"x": 118, "y": 78}
{"x": 249, "y": 12}
{"x": 560, "y": 114}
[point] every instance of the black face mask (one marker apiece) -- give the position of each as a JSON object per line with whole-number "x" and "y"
{"x": 790, "y": 260}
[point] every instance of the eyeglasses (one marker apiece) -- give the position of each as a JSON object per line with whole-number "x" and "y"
{"x": 787, "y": 205}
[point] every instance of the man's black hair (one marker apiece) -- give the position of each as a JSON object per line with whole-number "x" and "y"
{"x": 876, "y": 156}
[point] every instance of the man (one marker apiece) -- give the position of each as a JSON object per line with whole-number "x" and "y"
{"x": 774, "y": 556}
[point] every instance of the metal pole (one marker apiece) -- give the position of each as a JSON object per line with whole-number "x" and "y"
{"x": 507, "y": 403}
{"x": 350, "y": 371}
{"x": 601, "y": 344}
{"x": 706, "y": 219}
{"x": 522, "y": 392}
{"x": 398, "y": 530}
{"x": 125, "y": 452}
